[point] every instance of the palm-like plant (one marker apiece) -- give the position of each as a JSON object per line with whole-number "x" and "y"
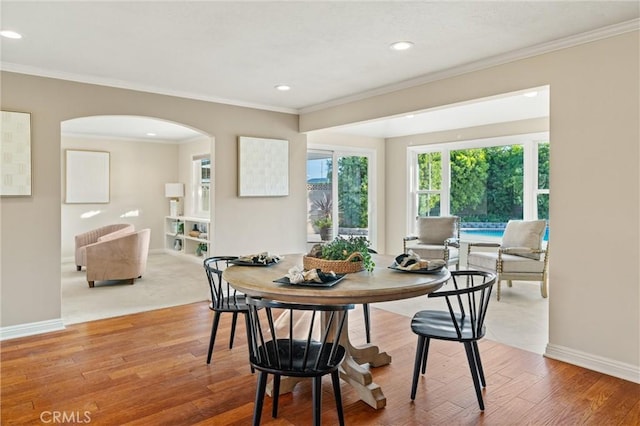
{"x": 324, "y": 205}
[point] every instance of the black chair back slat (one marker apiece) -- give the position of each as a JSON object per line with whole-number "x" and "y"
{"x": 224, "y": 298}
{"x": 341, "y": 326}
{"x": 463, "y": 321}
{"x": 294, "y": 350}
{"x": 472, "y": 300}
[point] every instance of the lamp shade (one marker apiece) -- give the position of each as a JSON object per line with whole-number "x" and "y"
{"x": 174, "y": 190}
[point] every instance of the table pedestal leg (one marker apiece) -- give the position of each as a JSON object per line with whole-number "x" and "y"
{"x": 286, "y": 385}
{"x": 353, "y": 371}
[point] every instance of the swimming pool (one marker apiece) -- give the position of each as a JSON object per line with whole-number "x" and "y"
{"x": 489, "y": 233}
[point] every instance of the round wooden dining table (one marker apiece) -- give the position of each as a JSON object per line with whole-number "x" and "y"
{"x": 381, "y": 285}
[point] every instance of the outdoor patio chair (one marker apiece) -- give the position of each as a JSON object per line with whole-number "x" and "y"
{"x": 438, "y": 238}
{"x": 520, "y": 256}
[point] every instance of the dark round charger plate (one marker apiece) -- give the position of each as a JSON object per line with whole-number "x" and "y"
{"x": 245, "y": 263}
{"x": 439, "y": 269}
{"x": 285, "y": 280}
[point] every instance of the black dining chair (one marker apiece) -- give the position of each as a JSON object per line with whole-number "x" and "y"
{"x": 293, "y": 350}
{"x": 224, "y": 299}
{"x": 463, "y": 321}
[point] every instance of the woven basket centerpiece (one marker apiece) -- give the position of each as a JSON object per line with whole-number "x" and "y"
{"x": 353, "y": 263}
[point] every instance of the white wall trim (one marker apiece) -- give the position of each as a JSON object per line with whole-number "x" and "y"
{"x": 29, "y": 329}
{"x": 593, "y": 362}
{"x": 120, "y": 84}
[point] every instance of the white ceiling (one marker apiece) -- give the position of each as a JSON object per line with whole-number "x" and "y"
{"x": 328, "y": 52}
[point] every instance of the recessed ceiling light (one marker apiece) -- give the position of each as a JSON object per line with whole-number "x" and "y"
{"x": 531, "y": 94}
{"x": 283, "y": 87}
{"x": 401, "y": 45}
{"x": 151, "y": 134}
{"x": 10, "y": 34}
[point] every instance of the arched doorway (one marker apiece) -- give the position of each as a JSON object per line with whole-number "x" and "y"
{"x": 144, "y": 154}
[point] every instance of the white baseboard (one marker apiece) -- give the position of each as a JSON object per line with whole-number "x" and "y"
{"x": 29, "y": 329}
{"x": 593, "y": 362}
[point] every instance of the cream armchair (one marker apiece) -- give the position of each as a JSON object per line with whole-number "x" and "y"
{"x": 520, "y": 256}
{"x": 95, "y": 235}
{"x": 123, "y": 257}
{"x": 438, "y": 238}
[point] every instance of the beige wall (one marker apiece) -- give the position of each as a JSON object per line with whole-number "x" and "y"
{"x": 594, "y": 304}
{"x": 139, "y": 171}
{"x": 31, "y": 281}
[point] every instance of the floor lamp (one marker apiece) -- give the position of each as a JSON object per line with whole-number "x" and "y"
{"x": 174, "y": 191}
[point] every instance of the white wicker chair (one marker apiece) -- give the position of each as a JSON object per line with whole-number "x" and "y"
{"x": 438, "y": 238}
{"x": 520, "y": 256}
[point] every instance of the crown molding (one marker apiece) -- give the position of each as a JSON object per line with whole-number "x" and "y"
{"x": 539, "y": 49}
{"x": 81, "y": 78}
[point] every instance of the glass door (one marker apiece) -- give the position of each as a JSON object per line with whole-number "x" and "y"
{"x": 338, "y": 201}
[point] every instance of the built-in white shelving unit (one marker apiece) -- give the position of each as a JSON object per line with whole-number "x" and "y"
{"x": 187, "y": 236}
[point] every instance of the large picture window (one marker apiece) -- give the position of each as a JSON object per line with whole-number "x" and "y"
{"x": 485, "y": 182}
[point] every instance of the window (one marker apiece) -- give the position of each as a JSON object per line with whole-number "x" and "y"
{"x": 485, "y": 182}
{"x": 348, "y": 212}
{"x": 542, "y": 191}
{"x": 429, "y": 184}
{"x": 201, "y": 184}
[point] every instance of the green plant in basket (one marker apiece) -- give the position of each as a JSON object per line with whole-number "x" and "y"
{"x": 341, "y": 248}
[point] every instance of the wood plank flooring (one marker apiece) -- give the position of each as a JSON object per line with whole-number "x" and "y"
{"x": 150, "y": 369}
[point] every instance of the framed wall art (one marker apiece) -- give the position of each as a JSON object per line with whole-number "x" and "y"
{"x": 263, "y": 167}
{"x": 15, "y": 154}
{"x": 87, "y": 177}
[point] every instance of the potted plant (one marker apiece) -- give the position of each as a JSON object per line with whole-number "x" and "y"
{"x": 342, "y": 255}
{"x": 324, "y": 205}
{"x": 201, "y": 249}
{"x": 324, "y": 225}
{"x": 323, "y": 222}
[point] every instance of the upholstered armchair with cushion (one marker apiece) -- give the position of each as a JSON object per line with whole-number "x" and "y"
{"x": 123, "y": 257}
{"x": 95, "y": 235}
{"x": 438, "y": 238}
{"x": 520, "y": 256}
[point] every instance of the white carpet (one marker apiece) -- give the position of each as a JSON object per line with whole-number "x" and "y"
{"x": 519, "y": 319}
{"x": 169, "y": 281}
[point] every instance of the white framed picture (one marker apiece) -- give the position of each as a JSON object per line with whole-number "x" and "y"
{"x": 263, "y": 167}
{"x": 87, "y": 177}
{"x": 15, "y": 154}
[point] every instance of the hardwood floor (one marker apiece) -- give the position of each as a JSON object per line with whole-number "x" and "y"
{"x": 150, "y": 369}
